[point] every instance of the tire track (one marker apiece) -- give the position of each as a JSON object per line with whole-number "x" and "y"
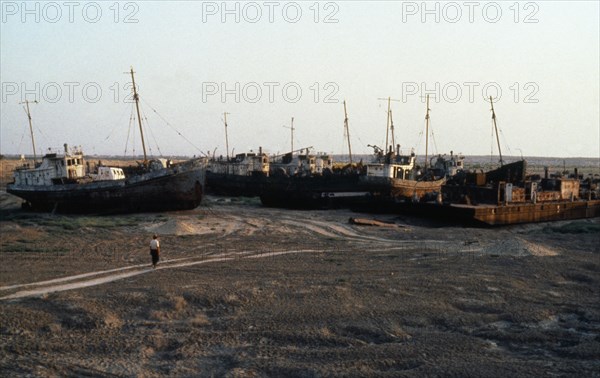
{"x": 50, "y": 288}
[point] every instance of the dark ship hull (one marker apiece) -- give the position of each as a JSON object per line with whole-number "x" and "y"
{"x": 235, "y": 185}
{"x": 313, "y": 192}
{"x": 179, "y": 187}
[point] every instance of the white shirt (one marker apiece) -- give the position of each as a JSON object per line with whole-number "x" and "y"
{"x": 154, "y": 244}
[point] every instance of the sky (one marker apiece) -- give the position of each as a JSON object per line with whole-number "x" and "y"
{"x": 265, "y": 63}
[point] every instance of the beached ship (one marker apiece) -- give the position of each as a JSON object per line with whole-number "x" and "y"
{"x": 311, "y": 182}
{"x": 507, "y": 195}
{"x": 65, "y": 182}
{"x": 396, "y": 176}
{"x": 244, "y": 175}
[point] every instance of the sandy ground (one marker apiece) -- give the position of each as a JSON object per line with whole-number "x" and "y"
{"x": 245, "y": 291}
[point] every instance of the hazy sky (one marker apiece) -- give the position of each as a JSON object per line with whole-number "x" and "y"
{"x": 266, "y": 62}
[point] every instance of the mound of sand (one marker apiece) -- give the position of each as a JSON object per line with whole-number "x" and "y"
{"x": 518, "y": 247}
{"x": 8, "y": 201}
{"x": 179, "y": 227}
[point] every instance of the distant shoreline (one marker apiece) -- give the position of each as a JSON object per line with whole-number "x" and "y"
{"x": 337, "y": 157}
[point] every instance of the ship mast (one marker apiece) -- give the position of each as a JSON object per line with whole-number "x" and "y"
{"x": 137, "y": 107}
{"x": 392, "y": 128}
{"x": 496, "y": 128}
{"x": 427, "y": 132}
{"x": 292, "y": 130}
{"x": 390, "y": 124}
{"x": 347, "y": 130}
{"x": 226, "y": 138}
{"x": 387, "y": 127}
{"x": 26, "y": 102}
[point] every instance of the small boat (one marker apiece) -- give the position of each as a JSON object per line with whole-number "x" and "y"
{"x": 66, "y": 182}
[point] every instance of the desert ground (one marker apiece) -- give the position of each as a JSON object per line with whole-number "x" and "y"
{"x": 244, "y": 291}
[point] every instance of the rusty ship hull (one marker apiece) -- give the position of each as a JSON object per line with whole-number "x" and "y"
{"x": 400, "y": 189}
{"x": 179, "y": 187}
{"x": 502, "y": 215}
{"x": 504, "y": 197}
{"x": 498, "y": 215}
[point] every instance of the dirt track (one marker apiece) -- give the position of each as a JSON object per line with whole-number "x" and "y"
{"x": 248, "y": 291}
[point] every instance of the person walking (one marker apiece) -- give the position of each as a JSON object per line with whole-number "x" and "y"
{"x": 154, "y": 250}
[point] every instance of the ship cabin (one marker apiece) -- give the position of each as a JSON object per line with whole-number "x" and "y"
{"x": 109, "y": 173}
{"x": 304, "y": 164}
{"x": 401, "y": 168}
{"x": 53, "y": 169}
{"x": 393, "y": 165}
{"x": 448, "y": 167}
{"x": 314, "y": 165}
{"x": 245, "y": 164}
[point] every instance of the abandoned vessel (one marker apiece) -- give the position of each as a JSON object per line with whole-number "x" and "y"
{"x": 397, "y": 177}
{"x": 64, "y": 182}
{"x": 507, "y": 195}
{"x": 393, "y": 176}
{"x": 310, "y": 181}
{"x": 244, "y": 175}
